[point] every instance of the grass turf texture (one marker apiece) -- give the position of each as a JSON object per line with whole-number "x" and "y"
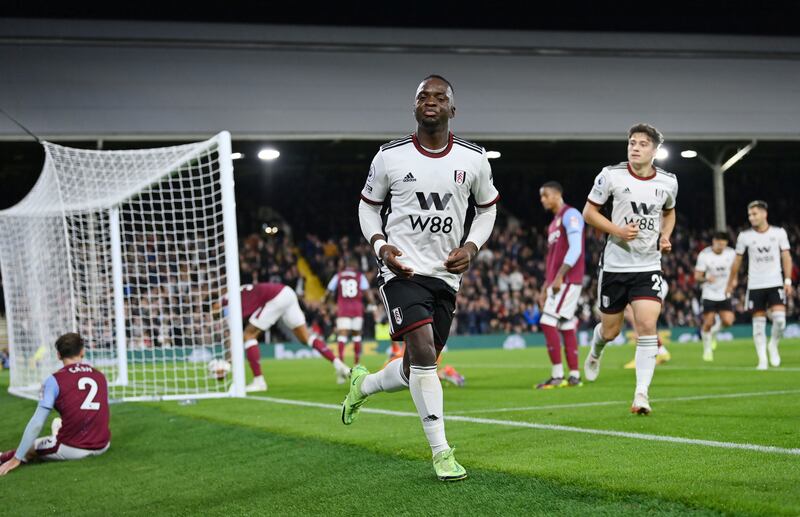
{"x": 238, "y": 457}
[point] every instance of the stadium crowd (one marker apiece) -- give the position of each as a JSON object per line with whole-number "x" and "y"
{"x": 500, "y": 292}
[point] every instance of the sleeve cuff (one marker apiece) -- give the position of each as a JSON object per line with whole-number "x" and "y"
{"x": 595, "y": 203}
{"x": 370, "y": 201}
{"x": 490, "y": 203}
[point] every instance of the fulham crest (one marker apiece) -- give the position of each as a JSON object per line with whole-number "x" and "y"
{"x": 459, "y": 177}
{"x": 398, "y": 316}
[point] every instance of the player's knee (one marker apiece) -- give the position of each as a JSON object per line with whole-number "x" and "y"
{"x": 610, "y": 330}
{"x": 727, "y": 319}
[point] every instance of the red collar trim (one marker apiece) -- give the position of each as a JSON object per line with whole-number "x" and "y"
{"x": 645, "y": 178}
{"x": 430, "y": 154}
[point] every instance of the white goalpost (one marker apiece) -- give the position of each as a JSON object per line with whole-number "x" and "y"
{"x": 133, "y": 250}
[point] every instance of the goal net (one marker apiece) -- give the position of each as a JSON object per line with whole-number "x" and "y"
{"x": 131, "y": 249}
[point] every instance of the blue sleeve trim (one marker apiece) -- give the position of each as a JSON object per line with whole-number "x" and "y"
{"x": 575, "y": 239}
{"x": 49, "y": 393}
{"x": 568, "y": 217}
{"x": 31, "y": 432}
{"x": 333, "y": 283}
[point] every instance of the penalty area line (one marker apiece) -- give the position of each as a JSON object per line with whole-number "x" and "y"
{"x": 549, "y": 427}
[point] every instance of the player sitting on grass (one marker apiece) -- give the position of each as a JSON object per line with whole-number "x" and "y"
{"x": 80, "y": 395}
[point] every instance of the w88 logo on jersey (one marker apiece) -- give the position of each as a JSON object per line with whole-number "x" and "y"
{"x": 434, "y": 224}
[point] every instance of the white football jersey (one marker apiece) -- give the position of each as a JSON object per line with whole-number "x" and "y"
{"x": 425, "y": 197}
{"x": 763, "y": 256}
{"x": 635, "y": 200}
{"x": 717, "y": 266}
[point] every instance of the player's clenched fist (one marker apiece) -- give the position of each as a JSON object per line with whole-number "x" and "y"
{"x": 665, "y": 244}
{"x": 389, "y": 254}
{"x": 459, "y": 259}
{"x": 629, "y": 232}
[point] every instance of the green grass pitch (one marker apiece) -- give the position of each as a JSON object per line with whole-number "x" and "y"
{"x": 266, "y": 457}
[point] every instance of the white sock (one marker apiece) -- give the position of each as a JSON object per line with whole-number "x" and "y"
{"x": 598, "y": 343}
{"x": 340, "y": 367}
{"x": 707, "y": 336}
{"x": 760, "y": 338}
{"x": 778, "y": 325}
{"x": 557, "y": 372}
{"x": 258, "y": 378}
{"x": 646, "y": 350}
{"x": 426, "y": 390}
{"x": 716, "y": 326}
{"x": 575, "y": 373}
{"x": 250, "y": 342}
{"x": 390, "y": 379}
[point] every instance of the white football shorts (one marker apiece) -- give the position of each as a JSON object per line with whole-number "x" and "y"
{"x": 284, "y": 307}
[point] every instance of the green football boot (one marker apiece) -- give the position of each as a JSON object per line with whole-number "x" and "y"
{"x": 446, "y": 466}
{"x": 354, "y": 399}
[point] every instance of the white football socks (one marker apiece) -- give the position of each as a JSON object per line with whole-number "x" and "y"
{"x": 389, "y": 379}
{"x": 760, "y": 339}
{"x": 716, "y": 326}
{"x": 426, "y": 390}
{"x": 340, "y": 367}
{"x": 778, "y": 326}
{"x": 598, "y": 343}
{"x": 557, "y": 372}
{"x": 707, "y": 337}
{"x": 646, "y": 350}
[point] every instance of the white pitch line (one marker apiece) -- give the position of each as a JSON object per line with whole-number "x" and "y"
{"x": 731, "y": 369}
{"x": 614, "y": 402}
{"x": 661, "y": 368}
{"x": 550, "y": 427}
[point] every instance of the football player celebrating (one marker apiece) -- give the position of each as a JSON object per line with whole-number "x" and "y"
{"x": 639, "y": 231}
{"x": 425, "y": 180}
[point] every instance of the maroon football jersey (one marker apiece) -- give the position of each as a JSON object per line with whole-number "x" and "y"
{"x": 349, "y": 294}
{"x": 254, "y": 296}
{"x": 82, "y": 403}
{"x": 557, "y": 247}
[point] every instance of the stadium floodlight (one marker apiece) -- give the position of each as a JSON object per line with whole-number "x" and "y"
{"x": 493, "y": 154}
{"x": 237, "y": 156}
{"x": 133, "y": 250}
{"x": 662, "y": 153}
{"x": 268, "y": 154}
{"x": 718, "y": 168}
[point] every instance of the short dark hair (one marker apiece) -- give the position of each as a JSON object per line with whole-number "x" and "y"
{"x": 69, "y": 345}
{"x": 654, "y": 134}
{"x": 722, "y": 236}
{"x": 439, "y": 77}
{"x": 757, "y": 204}
{"x": 553, "y": 185}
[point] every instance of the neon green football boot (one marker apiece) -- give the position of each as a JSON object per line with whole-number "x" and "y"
{"x": 446, "y": 466}
{"x": 354, "y": 399}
